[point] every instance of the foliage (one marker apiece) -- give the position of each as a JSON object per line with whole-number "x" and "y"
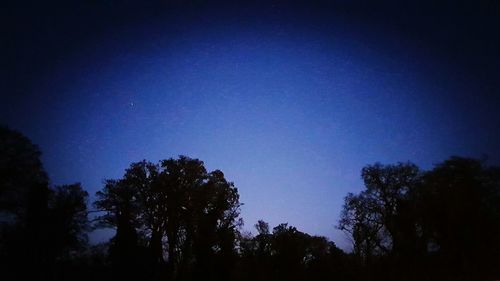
{"x": 185, "y": 214}
{"x": 41, "y": 227}
{"x": 175, "y": 220}
{"x": 442, "y": 224}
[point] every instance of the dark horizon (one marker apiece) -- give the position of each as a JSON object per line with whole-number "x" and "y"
{"x": 176, "y": 220}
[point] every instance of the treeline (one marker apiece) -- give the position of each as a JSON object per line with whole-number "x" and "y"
{"x": 174, "y": 220}
{"x": 442, "y": 224}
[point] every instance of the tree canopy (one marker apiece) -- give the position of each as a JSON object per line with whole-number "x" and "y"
{"x": 174, "y": 220}
{"x": 184, "y": 215}
{"x": 443, "y": 223}
{"x": 41, "y": 226}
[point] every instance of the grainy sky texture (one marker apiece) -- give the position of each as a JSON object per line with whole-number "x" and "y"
{"x": 289, "y": 100}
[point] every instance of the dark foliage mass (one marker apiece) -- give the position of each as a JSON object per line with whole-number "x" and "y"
{"x": 41, "y": 227}
{"x": 442, "y": 224}
{"x": 174, "y": 220}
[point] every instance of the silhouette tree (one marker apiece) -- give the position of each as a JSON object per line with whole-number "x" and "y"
{"x": 24, "y": 196}
{"x": 22, "y": 177}
{"x": 389, "y": 188}
{"x": 263, "y": 239}
{"x": 68, "y": 223}
{"x": 441, "y": 224}
{"x": 289, "y": 254}
{"x": 256, "y": 253}
{"x": 119, "y": 203}
{"x": 178, "y": 181}
{"x": 178, "y": 203}
{"x": 325, "y": 260}
{"x": 459, "y": 213}
{"x": 289, "y": 248}
{"x": 142, "y": 179}
{"x": 175, "y": 219}
{"x": 360, "y": 220}
{"x": 41, "y": 226}
{"x": 216, "y": 212}
{"x": 202, "y": 212}
{"x": 381, "y": 219}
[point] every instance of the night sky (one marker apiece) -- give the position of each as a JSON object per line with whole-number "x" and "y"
{"x": 289, "y": 100}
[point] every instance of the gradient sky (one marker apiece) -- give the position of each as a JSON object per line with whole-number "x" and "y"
{"x": 289, "y": 101}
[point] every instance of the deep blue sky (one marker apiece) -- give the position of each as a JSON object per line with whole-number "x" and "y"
{"x": 289, "y": 101}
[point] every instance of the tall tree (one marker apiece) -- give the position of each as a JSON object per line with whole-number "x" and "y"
{"x": 289, "y": 250}
{"x": 119, "y": 204}
{"x": 41, "y": 226}
{"x": 381, "y": 219}
{"x": 68, "y": 223}
{"x": 360, "y": 220}
{"x": 459, "y": 211}
{"x": 443, "y": 223}
{"x": 23, "y": 181}
{"x": 177, "y": 202}
{"x": 389, "y": 186}
{"x": 24, "y": 196}
{"x": 142, "y": 178}
{"x": 179, "y": 179}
